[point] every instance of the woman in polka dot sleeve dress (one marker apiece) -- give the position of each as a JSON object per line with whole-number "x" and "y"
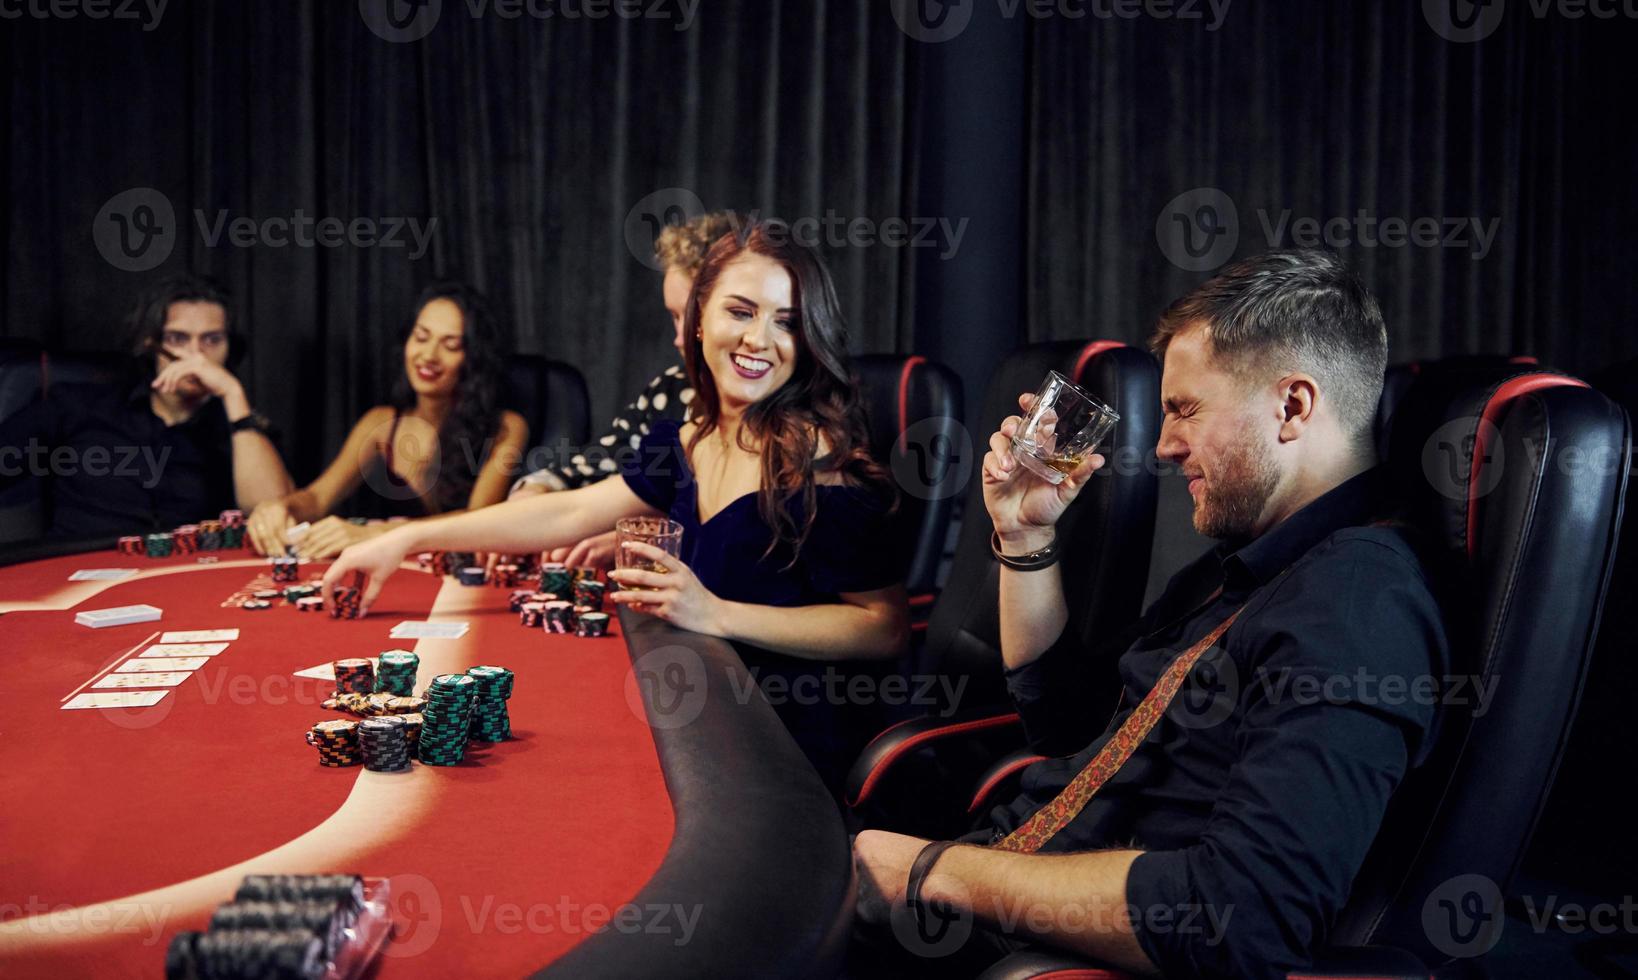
{"x": 681, "y": 251}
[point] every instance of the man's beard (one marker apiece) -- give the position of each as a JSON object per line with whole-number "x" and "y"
{"x": 1229, "y": 505}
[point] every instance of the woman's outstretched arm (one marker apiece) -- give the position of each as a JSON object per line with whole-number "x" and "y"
{"x": 515, "y": 527}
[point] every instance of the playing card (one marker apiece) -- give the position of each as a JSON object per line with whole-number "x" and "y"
{"x": 101, "y": 574}
{"x": 115, "y": 699}
{"x": 117, "y": 616}
{"x": 327, "y": 671}
{"x": 416, "y": 630}
{"x": 164, "y": 678}
{"x": 199, "y": 636}
{"x": 184, "y": 650}
{"x": 149, "y": 664}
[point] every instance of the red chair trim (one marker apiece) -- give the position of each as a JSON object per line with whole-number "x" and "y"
{"x": 1082, "y": 974}
{"x": 1494, "y": 409}
{"x": 1523, "y": 359}
{"x": 1091, "y": 351}
{"x": 922, "y": 599}
{"x": 910, "y": 364}
{"x": 990, "y": 784}
{"x": 917, "y": 740}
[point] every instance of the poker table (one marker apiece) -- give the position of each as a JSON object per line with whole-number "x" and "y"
{"x": 650, "y": 817}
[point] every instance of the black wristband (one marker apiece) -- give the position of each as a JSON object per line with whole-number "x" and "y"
{"x": 920, "y": 868}
{"x": 1032, "y": 562}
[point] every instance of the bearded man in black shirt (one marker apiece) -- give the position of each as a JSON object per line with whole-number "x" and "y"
{"x": 1220, "y": 843}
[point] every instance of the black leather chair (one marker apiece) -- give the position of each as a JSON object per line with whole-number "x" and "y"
{"x": 84, "y": 368}
{"x": 914, "y": 406}
{"x": 1397, "y": 380}
{"x": 1519, "y": 477}
{"x": 1576, "y": 843}
{"x": 1105, "y": 537}
{"x": 551, "y": 397}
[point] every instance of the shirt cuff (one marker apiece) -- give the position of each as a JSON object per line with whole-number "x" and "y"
{"x": 1159, "y": 880}
{"x": 539, "y": 478}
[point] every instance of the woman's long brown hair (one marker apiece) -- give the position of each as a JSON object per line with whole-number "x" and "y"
{"x": 821, "y": 397}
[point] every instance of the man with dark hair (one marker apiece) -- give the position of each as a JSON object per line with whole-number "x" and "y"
{"x": 1215, "y": 826}
{"x": 173, "y": 441}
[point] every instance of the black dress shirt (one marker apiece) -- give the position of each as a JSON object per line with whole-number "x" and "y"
{"x": 111, "y": 466}
{"x": 1258, "y": 793}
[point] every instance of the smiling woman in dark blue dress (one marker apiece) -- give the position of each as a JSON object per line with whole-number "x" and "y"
{"x": 788, "y": 548}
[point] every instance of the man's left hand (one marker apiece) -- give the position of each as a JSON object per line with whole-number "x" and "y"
{"x": 882, "y": 862}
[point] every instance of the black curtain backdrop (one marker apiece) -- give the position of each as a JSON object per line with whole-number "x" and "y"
{"x": 539, "y": 146}
{"x": 1325, "y": 110}
{"x": 543, "y": 147}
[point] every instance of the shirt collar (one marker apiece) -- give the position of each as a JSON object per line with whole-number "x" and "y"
{"x": 1353, "y": 502}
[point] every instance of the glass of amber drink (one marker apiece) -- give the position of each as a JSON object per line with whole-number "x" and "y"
{"x": 657, "y": 531}
{"x": 1063, "y": 428}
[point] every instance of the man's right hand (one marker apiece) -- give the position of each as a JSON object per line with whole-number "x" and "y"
{"x": 1023, "y": 507}
{"x": 266, "y": 526}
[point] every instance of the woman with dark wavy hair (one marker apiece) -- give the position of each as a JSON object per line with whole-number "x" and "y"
{"x": 441, "y": 444}
{"x": 787, "y": 547}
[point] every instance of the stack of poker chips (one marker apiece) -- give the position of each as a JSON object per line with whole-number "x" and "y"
{"x": 337, "y": 742}
{"x": 345, "y": 889}
{"x": 284, "y": 569}
{"x": 325, "y": 918}
{"x": 556, "y": 578}
{"x": 589, "y": 592}
{"x": 450, "y": 562}
{"x": 532, "y": 614}
{"x": 310, "y": 603}
{"x": 470, "y": 575}
{"x": 158, "y": 545}
{"x": 446, "y": 720}
{"x": 296, "y": 953}
{"x": 346, "y": 603}
{"x": 506, "y": 575}
{"x": 396, "y": 672}
{"x": 233, "y": 529}
{"x": 412, "y": 729}
{"x": 559, "y": 617}
{"x": 385, "y": 747}
{"x": 518, "y": 597}
{"x": 354, "y": 676}
{"x": 132, "y": 544}
{"x": 210, "y": 535}
{"x": 489, "y": 719}
{"x": 592, "y": 624}
{"x": 294, "y": 592}
{"x": 186, "y": 539}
